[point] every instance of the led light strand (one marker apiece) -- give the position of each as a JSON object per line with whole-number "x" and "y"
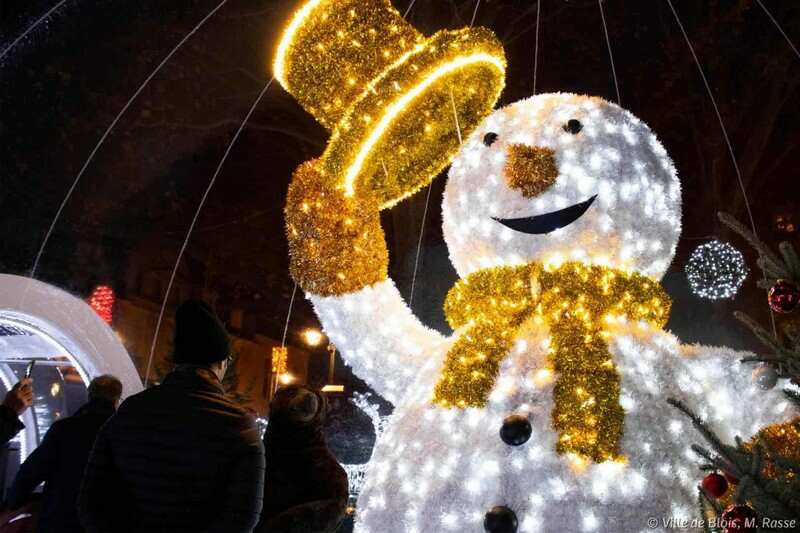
{"x": 31, "y": 28}
{"x": 427, "y": 202}
{"x": 408, "y": 9}
{"x": 288, "y": 316}
{"x": 780, "y": 29}
{"x": 610, "y": 53}
{"x": 725, "y": 136}
{"x": 108, "y": 131}
{"x": 474, "y": 13}
{"x": 192, "y": 225}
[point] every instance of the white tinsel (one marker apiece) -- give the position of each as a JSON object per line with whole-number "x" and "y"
{"x": 437, "y": 470}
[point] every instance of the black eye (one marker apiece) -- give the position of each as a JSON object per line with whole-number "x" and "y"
{"x": 489, "y": 138}
{"x": 573, "y": 126}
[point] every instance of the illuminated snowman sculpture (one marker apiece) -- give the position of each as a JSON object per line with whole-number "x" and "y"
{"x": 545, "y": 410}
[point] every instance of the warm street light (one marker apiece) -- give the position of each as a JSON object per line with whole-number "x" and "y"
{"x": 286, "y": 378}
{"x": 312, "y": 336}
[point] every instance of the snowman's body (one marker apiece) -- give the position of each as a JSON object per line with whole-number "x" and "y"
{"x": 439, "y": 469}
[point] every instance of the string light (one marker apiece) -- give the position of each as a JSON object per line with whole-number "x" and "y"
{"x": 716, "y": 270}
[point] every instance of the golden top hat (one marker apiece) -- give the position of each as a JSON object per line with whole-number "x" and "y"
{"x": 397, "y": 103}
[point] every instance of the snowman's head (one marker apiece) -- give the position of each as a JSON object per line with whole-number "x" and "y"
{"x": 562, "y": 177}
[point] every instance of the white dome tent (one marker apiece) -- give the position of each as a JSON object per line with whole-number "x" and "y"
{"x": 68, "y": 341}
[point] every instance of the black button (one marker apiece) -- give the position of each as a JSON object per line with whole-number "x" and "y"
{"x": 516, "y": 430}
{"x": 500, "y": 519}
{"x": 489, "y": 138}
{"x": 573, "y": 126}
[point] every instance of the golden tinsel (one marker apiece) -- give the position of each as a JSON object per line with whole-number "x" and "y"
{"x": 389, "y": 95}
{"x": 336, "y": 244}
{"x": 336, "y": 48}
{"x": 530, "y": 170}
{"x": 576, "y": 302}
{"x": 782, "y": 440}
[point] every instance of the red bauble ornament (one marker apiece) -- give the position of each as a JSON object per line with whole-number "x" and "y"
{"x": 783, "y": 297}
{"x": 102, "y": 301}
{"x": 715, "y": 485}
{"x": 739, "y": 519}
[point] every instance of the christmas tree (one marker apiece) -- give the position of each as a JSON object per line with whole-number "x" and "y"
{"x": 755, "y": 485}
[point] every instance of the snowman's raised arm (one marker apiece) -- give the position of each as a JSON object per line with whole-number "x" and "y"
{"x": 379, "y": 336}
{"x": 716, "y": 383}
{"x": 339, "y": 257}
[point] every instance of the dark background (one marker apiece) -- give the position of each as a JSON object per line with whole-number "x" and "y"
{"x": 62, "y": 85}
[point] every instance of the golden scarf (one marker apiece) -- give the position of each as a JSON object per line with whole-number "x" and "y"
{"x": 576, "y": 302}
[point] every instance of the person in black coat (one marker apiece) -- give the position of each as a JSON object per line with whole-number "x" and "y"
{"x": 19, "y": 398}
{"x": 61, "y": 458}
{"x": 181, "y": 456}
{"x": 305, "y": 489}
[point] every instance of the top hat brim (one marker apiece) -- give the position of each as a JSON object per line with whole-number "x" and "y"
{"x": 410, "y": 121}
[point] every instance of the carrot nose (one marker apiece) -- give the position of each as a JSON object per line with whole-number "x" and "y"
{"x": 530, "y": 169}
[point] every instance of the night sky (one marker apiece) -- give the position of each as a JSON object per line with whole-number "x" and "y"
{"x": 62, "y": 85}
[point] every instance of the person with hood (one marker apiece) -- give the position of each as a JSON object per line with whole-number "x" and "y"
{"x": 180, "y": 456}
{"x": 59, "y": 461}
{"x": 305, "y": 488}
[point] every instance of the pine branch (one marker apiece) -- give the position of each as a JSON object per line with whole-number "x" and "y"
{"x": 771, "y": 264}
{"x": 785, "y": 360}
{"x": 792, "y": 261}
{"x": 768, "y": 497}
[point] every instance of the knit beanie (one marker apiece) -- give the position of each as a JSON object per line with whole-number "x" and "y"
{"x": 200, "y": 336}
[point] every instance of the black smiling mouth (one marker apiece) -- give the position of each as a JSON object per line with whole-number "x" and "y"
{"x": 540, "y": 224}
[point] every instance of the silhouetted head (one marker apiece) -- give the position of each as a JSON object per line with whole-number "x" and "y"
{"x": 200, "y": 336}
{"x": 106, "y": 388}
{"x": 298, "y": 405}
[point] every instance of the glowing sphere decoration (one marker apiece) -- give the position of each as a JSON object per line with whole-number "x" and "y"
{"x": 716, "y": 270}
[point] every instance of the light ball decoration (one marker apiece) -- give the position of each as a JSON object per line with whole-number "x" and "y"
{"x": 102, "y": 301}
{"x": 716, "y": 270}
{"x": 387, "y": 94}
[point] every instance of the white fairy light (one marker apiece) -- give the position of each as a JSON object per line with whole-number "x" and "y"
{"x": 716, "y": 270}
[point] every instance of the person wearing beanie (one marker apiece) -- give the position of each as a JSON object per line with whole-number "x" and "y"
{"x": 180, "y": 456}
